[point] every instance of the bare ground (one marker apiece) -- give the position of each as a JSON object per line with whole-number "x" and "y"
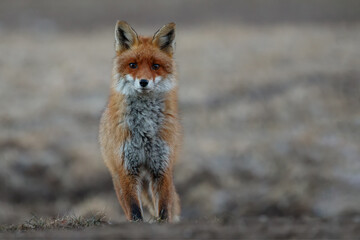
{"x": 248, "y": 228}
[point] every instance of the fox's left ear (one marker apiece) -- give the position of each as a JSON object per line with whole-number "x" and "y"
{"x": 164, "y": 38}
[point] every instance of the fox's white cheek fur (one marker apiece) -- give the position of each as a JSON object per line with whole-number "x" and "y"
{"x": 137, "y": 83}
{"x": 165, "y": 84}
{"x": 158, "y": 79}
{"x": 124, "y": 84}
{"x": 129, "y": 77}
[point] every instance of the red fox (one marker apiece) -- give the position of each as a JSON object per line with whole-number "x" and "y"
{"x": 139, "y": 131}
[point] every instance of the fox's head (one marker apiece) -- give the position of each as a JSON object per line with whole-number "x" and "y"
{"x": 144, "y": 65}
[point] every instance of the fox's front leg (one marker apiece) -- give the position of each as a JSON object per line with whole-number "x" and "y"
{"x": 126, "y": 187}
{"x": 164, "y": 194}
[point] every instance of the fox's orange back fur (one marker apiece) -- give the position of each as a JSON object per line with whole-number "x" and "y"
{"x": 140, "y": 132}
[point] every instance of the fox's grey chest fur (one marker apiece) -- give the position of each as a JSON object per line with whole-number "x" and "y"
{"x": 144, "y": 117}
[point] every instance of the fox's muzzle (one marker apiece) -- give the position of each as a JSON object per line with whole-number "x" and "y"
{"x": 144, "y": 82}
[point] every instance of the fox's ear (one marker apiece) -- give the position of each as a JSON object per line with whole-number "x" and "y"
{"x": 125, "y": 36}
{"x": 164, "y": 38}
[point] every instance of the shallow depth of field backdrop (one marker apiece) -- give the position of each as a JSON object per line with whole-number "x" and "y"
{"x": 269, "y": 99}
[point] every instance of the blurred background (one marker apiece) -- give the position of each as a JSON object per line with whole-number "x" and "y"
{"x": 269, "y": 99}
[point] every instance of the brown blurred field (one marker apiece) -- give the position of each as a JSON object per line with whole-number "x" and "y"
{"x": 269, "y": 103}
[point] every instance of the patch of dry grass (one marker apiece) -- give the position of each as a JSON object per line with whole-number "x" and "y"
{"x": 65, "y": 222}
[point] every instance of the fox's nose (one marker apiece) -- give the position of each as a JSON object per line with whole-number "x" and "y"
{"x": 144, "y": 82}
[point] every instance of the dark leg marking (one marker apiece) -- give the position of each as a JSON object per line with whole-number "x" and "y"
{"x": 164, "y": 214}
{"x": 136, "y": 213}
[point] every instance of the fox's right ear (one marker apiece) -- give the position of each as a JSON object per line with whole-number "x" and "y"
{"x": 125, "y": 36}
{"x": 164, "y": 38}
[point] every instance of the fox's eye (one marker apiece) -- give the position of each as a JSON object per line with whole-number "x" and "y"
{"x": 133, "y": 65}
{"x": 155, "y": 66}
